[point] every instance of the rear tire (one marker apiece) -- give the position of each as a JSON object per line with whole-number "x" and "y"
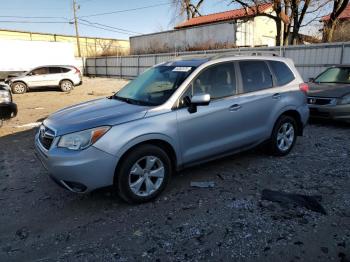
{"x": 66, "y": 85}
{"x": 283, "y": 137}
{"x": 143, "y": 174}
{"x": 18, "y": 88}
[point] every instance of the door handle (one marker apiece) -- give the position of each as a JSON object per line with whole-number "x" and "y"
{"x": 235, "y": 107}
{"x": 276, "y": 96}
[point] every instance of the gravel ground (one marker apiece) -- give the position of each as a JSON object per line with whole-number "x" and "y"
{"x": 41, "y": 222}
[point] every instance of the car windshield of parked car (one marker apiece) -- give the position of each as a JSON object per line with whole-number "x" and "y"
{"x": 339, "y": 75}
{"x": 155, "y": 86}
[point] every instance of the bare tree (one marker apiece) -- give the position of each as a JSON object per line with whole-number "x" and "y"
{"x": 298, "y": 12}
{"x": 289, "y": 15}
{"x": 330, "y": 24}
{"x": 189, "y": 8}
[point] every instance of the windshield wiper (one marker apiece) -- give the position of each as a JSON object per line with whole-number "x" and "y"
{"x": 133, "y": 101}
{"x": 124, "y": 99}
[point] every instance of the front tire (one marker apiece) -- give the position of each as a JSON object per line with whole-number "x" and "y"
{"x": 18, "y": 88}
{"x": 66, "y": 85}
{"x": 284, "y": 136}
{"x": 144, "y": 173}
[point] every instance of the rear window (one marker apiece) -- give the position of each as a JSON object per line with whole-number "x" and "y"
{"x": 256, "y": 76}
{"x": 282, "y": 73}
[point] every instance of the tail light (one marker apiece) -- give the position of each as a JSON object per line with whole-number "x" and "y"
{"x": 304, "y": 87}
{"x": 77, "y": 71}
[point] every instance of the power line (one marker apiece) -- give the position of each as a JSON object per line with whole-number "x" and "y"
{"x": 106, "y": 29}
{"x": 108, "y": 26}
{"x": 126, "y": 10}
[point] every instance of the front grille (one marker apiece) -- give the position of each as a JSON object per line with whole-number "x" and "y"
{"x": 46, "y": 136}
{"x": 319, "y": 101}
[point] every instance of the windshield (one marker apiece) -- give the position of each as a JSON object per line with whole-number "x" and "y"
{"x": 335, "y": 75}
{"x": 155, "y": 86}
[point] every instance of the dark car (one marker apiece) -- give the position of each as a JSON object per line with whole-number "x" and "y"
{"x": 8, "y": 109}
{"x": 329, "y": 94}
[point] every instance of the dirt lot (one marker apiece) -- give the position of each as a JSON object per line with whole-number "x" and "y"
{"x": 41, "y": 222}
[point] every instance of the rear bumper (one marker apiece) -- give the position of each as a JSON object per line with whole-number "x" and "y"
{"x": 335, "y": 112}
{"x": 78, "y": 171}
{"x": 8, "y": 110}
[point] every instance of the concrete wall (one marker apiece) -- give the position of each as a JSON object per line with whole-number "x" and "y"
{"x": 89, "y": 46}
{"x": 200, "y": 37}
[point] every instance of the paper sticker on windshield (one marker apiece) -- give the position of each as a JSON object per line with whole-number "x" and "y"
{"x": 182, "y": 69}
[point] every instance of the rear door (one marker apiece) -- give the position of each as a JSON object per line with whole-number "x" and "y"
{"x": 257, "y": 99}
{"x": 55, "y": 75}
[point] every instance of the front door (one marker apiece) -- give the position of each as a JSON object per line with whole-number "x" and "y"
{"x": 38, "y": 77}
{"x": 213, "y": 129}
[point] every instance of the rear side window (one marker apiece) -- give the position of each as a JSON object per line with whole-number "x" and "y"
{"x": 282, "y": 72}
{"x": 55, "y": 70}
{"x": 256, "y": 76}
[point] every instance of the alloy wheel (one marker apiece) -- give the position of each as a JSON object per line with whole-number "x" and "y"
{"x": 146, "y": 176}
{"x": 66, "y": 86}
{"x": 19, "y": 88}
{"x": 285, "y": 136}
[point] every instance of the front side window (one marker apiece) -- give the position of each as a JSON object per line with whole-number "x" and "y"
{"x": 219, "y": 81}
{"x": 155, "y": 86}
{"x": 282, "y": 72}
{"x": 256, "y": 76}
{"x": 336, "y": 75}
{"x": 40, "y": 71}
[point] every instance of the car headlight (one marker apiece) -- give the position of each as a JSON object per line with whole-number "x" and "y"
{"x": 83, "y": 139}
{"x": 5, "y": 96}
{"x": 345, "y": 100}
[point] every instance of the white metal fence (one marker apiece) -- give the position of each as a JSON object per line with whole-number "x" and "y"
{"x": 309, "y": 59}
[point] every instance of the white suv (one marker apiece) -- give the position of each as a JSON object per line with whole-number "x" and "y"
{"x": 65, "y": 77}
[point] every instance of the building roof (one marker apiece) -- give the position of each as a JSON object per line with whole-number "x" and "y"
{"x": 224, "y": 16}
{"x": 345, "y": 15}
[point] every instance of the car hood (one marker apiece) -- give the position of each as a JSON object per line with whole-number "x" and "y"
{"x": 328, "y": 90}
{"x": 92, "y": 114}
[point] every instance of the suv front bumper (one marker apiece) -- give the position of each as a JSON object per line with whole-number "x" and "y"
{"x": 78, "y": 171}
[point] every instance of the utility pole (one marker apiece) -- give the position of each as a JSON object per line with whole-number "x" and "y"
{"x": 75, "y": 7}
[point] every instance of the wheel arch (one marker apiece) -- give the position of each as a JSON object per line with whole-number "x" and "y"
{"x": 292, "y": 112}
{"x": 20, "y": 81}
{"x": 66, "y": 79}
{"x": 161, "y": 142}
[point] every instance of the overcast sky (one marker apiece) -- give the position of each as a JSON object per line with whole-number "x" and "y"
{"x": 56, "y": 14}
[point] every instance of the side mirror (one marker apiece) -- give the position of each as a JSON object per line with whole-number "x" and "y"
{"x": 311, "y": 79}
{"x": 200, "y": 100}
{"x": 197, "y": 100}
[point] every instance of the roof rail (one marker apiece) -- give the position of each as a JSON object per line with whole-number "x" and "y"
{"x": 245, "y": 53}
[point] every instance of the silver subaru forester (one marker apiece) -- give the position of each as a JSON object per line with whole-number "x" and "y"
{"x": 174, "y": 115}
